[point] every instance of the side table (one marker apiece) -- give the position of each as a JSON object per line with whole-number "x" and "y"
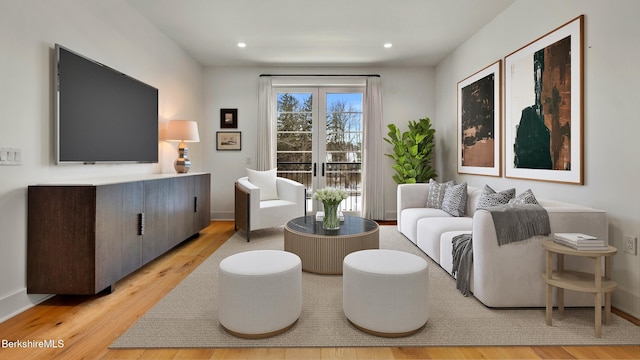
{"x": 597, "y": 283}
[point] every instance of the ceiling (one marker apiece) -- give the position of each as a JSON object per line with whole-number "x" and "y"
{"x": 320, "y": 33}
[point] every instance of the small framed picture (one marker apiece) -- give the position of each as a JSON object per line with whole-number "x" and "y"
{"x": 228, "y": 118}
{"x": 228, "y": 140}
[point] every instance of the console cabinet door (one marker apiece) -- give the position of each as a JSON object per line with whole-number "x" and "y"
{"x": 133, "y": 227}
{"x": 118, "y": 238}
{"x": 158, "y": 221}
{"x": 183, "y": 202}
{"x": 202, "y": 201}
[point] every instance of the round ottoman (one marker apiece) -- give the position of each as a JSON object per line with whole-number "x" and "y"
{"x": 259, "y": 293}
{"x": 385, "y": 292}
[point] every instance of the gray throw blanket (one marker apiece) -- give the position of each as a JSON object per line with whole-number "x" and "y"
{"x": 462, "y": 261}
{"x": 518, "y": 222}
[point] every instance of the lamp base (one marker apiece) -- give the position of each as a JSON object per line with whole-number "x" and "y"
{"x": 182, "y": 163}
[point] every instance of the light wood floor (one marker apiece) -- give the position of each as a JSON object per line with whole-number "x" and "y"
{"x": 88, "y": 325}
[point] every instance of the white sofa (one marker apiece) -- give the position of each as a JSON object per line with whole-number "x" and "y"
{"x": 502, "y": 276}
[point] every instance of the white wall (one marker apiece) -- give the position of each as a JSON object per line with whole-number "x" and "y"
{"x": 110, "y": 32}
{"x": 611, "y": 95}
{"x": 408, "y": 94}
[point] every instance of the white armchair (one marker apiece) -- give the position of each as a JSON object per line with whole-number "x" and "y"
{"x": 253, "y": 214}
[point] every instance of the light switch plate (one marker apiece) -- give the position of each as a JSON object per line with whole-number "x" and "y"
{"x": 10, "y": 156}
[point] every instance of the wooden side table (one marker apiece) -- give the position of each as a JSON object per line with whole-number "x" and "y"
{"x": 597, "y": 283}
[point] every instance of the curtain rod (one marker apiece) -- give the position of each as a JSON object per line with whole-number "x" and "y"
{"x": 327, "y": 75}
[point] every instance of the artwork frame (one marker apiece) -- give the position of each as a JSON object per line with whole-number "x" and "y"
{"x": 228, "y": 140}
{"x": 544, "y": 107}
{"x": 479, "y": 114}
{"x": 228, "y": 118}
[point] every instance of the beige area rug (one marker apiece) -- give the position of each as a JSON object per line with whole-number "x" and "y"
{"x": 187, "y": 316}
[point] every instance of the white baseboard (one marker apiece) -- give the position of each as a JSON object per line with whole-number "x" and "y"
{"x": 390, "y": 215}
{"x": 18, "y": 302}
{"x": 626, "y": 301}
{"x": 222, "y": 216}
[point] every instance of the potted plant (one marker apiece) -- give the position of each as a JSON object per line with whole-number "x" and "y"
{"x": 412, "y": 152}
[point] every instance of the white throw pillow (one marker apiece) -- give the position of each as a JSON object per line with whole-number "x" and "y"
{"x": 266, "y": 181}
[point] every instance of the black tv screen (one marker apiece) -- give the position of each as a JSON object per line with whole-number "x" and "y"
{"x": 102, "y": 115}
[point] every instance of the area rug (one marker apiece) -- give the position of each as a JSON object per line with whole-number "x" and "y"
{"x": 187, "y": 316}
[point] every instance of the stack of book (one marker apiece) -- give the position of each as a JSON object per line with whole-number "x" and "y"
{"x": 580, "y": 241}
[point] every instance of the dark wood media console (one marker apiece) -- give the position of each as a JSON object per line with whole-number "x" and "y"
{"x": 83, "y": 238}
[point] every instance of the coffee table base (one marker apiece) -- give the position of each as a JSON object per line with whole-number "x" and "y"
{"x": 324, "y": 254}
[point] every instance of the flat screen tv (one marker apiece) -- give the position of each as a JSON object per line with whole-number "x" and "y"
{"x": 102, "y": 115}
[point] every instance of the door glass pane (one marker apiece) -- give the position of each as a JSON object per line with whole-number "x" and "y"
{"x": 294, "y": 138}
{"x": 344, "y": 146}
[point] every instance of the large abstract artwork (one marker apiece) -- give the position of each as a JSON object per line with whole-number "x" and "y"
{"x": 479, "y": 122}
{"x": 544, "y": 110}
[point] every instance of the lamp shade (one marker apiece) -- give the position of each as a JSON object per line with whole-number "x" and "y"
{"x": 183, "y": 130}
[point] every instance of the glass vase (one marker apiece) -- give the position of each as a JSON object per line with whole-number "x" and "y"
{"x": 331, "y": 221}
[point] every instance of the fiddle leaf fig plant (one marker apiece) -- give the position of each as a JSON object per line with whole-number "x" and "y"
{"x": 412, "y": 151}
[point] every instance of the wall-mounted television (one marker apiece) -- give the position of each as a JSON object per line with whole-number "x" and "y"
{"x": 102, "y": 115}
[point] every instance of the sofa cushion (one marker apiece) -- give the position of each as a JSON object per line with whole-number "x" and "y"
{"x": 436, "y": 193}
{"x": 490, "y": 197}
{"x": 409, "y": 220}
{"x": 525, "y": 197}
{"x": 446, "y": 249}
{"x": 455, "y": 200}
{"x": 429, "y": 231}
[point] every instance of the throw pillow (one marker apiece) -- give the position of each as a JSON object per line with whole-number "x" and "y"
{"x": 526, "y": 197}
{"x": 266, "y": 181}
{"x": 436, "y": 193}
{"x": 490, "y": 197}
{"x": 455, "y": 199}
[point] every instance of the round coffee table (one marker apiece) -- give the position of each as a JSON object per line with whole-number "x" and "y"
{"x": 323, "y": 251}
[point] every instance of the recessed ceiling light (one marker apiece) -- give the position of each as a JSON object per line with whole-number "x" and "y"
{"x": 388, "y": 45}
{"x": 242, "y": 45}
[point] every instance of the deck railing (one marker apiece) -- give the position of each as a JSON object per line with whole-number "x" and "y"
{"x": 342, "y": 175}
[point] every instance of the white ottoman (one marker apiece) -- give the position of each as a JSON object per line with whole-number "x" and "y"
{"x": 385, "y": 292}
{"x": 259, "y": 293}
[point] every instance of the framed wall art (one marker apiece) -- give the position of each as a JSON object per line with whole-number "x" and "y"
{"x": 544, "y": 107}
{"x": 228, "y": 118}
{"x": 479, "y": 122}
{"x": 228, "y": 140}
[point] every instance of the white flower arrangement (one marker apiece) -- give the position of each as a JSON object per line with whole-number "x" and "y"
{"x": 330, "y": 195}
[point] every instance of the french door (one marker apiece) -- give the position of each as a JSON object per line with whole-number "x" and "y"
{"x": 319, "y": 140}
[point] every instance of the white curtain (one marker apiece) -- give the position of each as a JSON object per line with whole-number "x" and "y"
{"x": 372, "y": 168}
{"x": 266, "y": 158}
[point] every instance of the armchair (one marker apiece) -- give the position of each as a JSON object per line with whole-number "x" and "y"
{"x": 253, "y": 214}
